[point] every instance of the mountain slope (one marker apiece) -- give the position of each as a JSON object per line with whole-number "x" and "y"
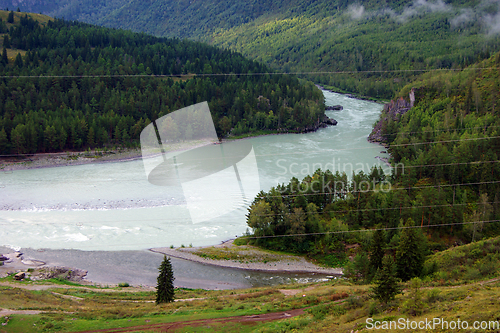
{"x": 69, "y": 85}
{"x": 444, "y": 149}
{"x": 306, "y": 35}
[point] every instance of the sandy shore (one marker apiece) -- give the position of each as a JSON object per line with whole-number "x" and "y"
{"x": 51, "y": 160}
{"x": 282, "y": 263}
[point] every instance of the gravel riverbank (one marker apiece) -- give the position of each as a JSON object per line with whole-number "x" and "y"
{"x": 280, "y": 263}
{"x": 51, "y": 160}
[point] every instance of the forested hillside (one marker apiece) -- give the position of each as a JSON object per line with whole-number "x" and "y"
{"x": 67, "y": 85}
{"x": 444, "y": 189}
{"x": 365, "y": 39}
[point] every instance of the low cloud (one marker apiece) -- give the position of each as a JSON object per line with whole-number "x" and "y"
{"x": 423, "y": 6}
{"x": 356, "y": 12}
{"x": 492, "y": 23}
{"x": 436, "y": 6}
{"x": 465, "y": 16}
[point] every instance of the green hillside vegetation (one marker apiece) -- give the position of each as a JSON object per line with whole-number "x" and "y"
{"x": 375, "y": 41}
{"x": 465, "y": 264}
{"x": 336, "y": 305}
{"x": 317, "y": 36}
{"x": 443, "y": 191}
{"x": 73, "y": 86}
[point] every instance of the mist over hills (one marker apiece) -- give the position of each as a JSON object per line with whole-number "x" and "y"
{"x": 313, "y": 36}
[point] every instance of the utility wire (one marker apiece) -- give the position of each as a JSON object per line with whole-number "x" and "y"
{"x": 339, "y": 232}
{"x": 370, "y": 230}
{"x": 397, "y": 166}
{"x": 178, "y": 219}
{"x": 239, "y": 74}
{"x": 385, "y": 209}
{"x": 347, "y": 191}
{"x": 444, "y": 141}
{"x": 449, "y": 129}
{"x": 322, "y": 151}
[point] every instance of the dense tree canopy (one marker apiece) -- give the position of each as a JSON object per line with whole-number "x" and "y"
{"x": 402, "y": 37}
{"x": 73, "y": 86}
{"x": 445, "y": 156}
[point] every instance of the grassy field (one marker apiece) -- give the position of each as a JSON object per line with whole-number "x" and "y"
{"x": 42, "y": 19}
{"x": 242, "y": 253}
{"x": 329, "y": 306}
{"x": 336, "y": 305}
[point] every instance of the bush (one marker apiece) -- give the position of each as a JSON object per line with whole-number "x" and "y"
{"x": 414, "y": 305}
{"x": 354, "y": 302}
{"x": 433, "y": 296}
{"x": 123, "y": 285}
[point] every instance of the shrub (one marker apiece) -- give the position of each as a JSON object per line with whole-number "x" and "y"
{"x": 433, "y": 296}
{"x": 414, "y": 305}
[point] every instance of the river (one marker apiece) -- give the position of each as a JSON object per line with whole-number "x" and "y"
{"x": 112, "y": 210}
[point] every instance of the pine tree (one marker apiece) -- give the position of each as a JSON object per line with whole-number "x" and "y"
{"x": 10, "y": 18}
{"x": 165, "y": 288}
{"x": 410, "y": 254}
{"x": 386, "y": 282}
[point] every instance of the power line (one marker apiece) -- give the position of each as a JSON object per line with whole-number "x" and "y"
{"x": 353, "y": 231}
{"x": 398, "y": 166}
{"x": 370, "y": 230}
{"x": 383, "y": 209}
{"x": 449, "y": 164}
{"x": 444, "y": 141}
{"x": 308, "y": 152}
{"x": 444, "y": 130}
{"x": 239, "y": 74}
{"x": 180, "y": 219}
{"x": 347, "y": 191}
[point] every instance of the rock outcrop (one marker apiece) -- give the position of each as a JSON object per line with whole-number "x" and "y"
{"x": 324, "y": 122}
{"x": 49, "y": 272}
{"x": 334, "y": 108}
{"x": 327, "y": 121}
{"x": 392, "y": 111}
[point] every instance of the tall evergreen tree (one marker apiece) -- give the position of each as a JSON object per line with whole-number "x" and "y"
{"x": 6, "y": 41}
{"x": 410, "y": 254}
{"x": 10, "y": 18}
{"x": 4, "y": 142}
{"x": 165, "y": 288}
{"x": 18, "y": 61}
{"x": 5, "y": 58}
{"x": 386, "y": 282}
{"x": 377, "y": 250}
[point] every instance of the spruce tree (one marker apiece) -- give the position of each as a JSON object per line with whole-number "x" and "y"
{"x": 165, "y": 288}
{"x": 386, "y": 282}
{"x": 19, "y": 61}
{"x": 410, "y": 254}
{"x": 377, "y": 251}
{"x": 5, "y": 59}
{"x": 6, "y": 41}
{"x": 4, "y": 142}
{"x": 10, "y": 18}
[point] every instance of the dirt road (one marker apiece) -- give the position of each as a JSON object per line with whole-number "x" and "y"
{"x": 168, "y": 327}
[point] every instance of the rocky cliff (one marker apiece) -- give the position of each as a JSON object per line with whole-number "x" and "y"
{"x": 392, "y": 111}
